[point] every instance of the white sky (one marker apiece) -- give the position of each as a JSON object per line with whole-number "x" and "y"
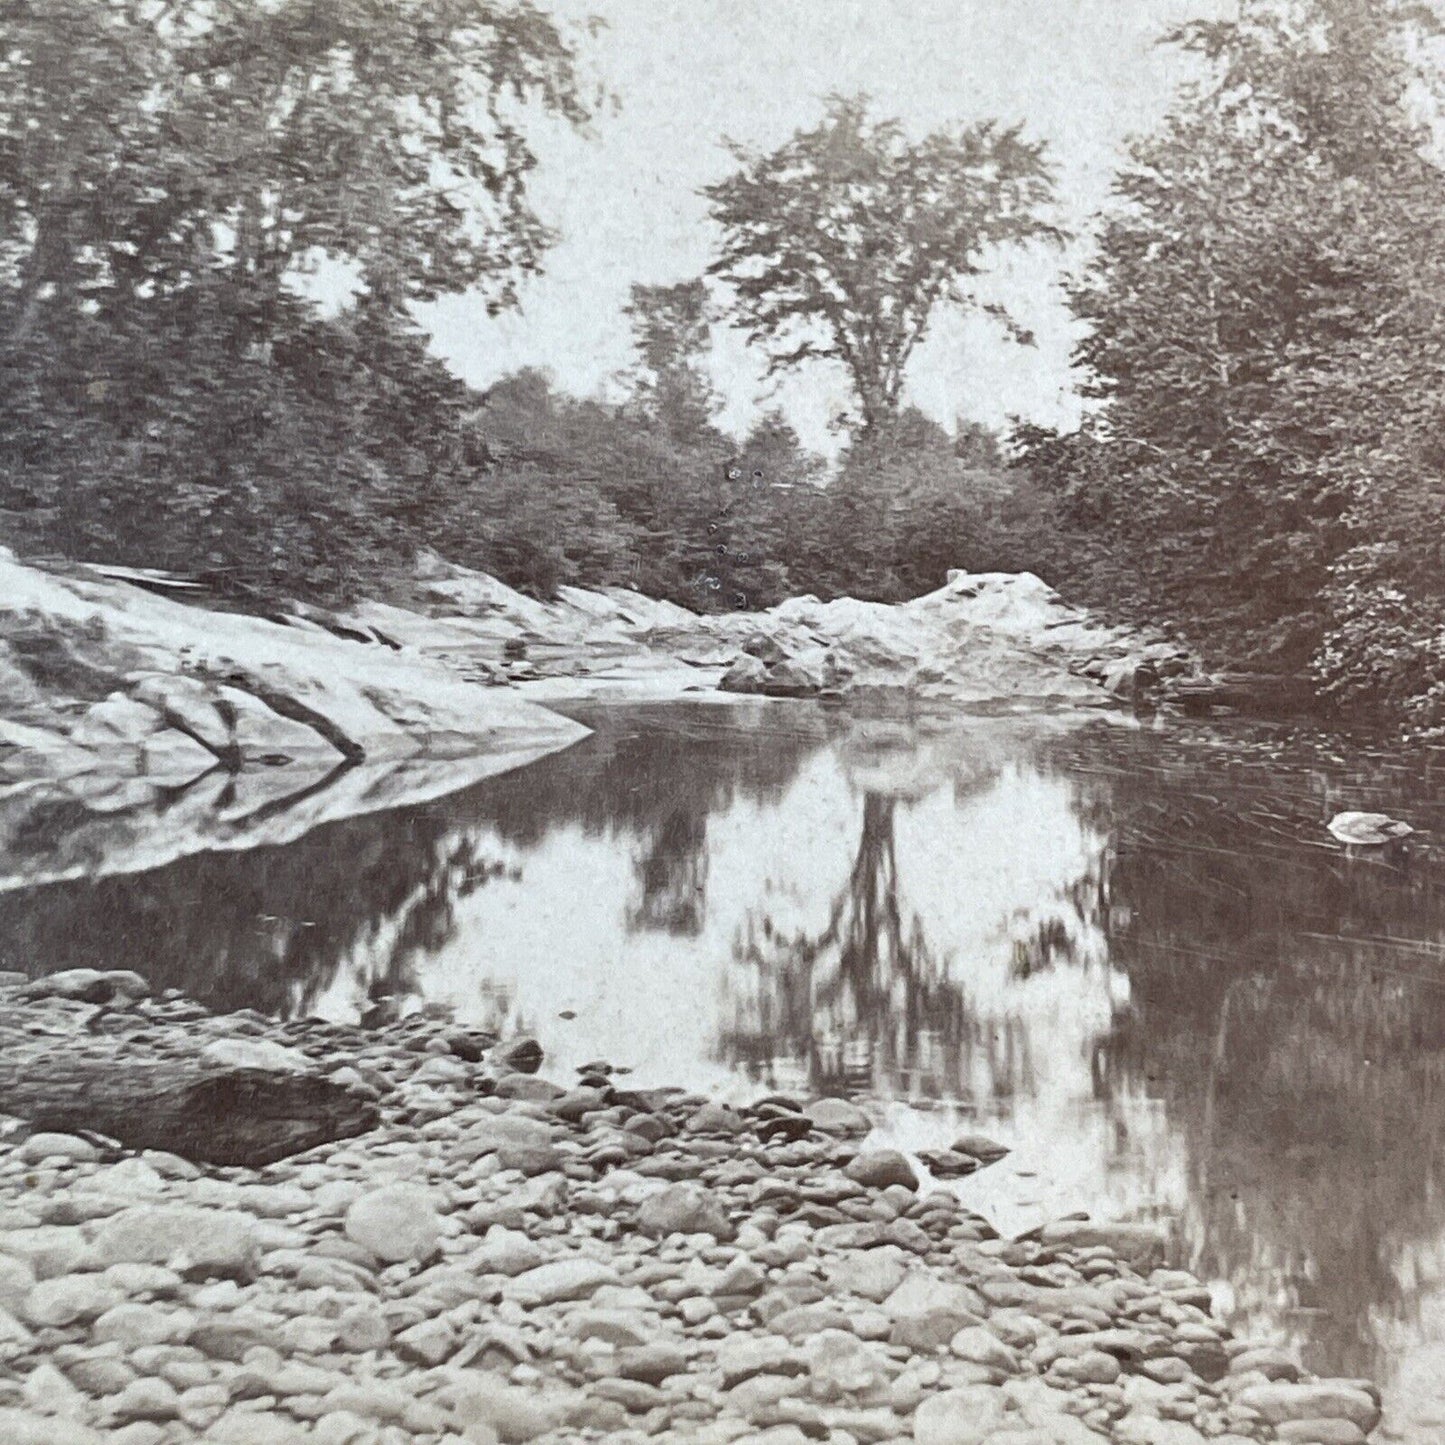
{"x": 1082, "y": 73}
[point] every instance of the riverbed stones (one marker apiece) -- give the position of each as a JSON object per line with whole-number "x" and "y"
{"x": 1143, "y": 1245}
{"x": 685, "y": 1209}
{"x": 706, "y": 1281}
{"x": 395, "y": 1223}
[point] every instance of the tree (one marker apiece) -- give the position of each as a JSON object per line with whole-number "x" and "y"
{"x": 843, "y": 242}
{"x": 169, "y": 174}
{"x": 671, "y": 332}
{"x": 1266, "y": 337}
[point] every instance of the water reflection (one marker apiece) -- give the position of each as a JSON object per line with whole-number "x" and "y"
{"x": 1133, "y": 953}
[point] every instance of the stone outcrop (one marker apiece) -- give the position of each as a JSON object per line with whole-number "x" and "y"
{"x": 100, "y": 676}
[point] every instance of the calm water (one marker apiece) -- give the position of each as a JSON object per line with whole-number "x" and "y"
{"x": 1134, "y": 954}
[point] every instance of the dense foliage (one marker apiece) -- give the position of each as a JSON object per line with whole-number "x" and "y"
{"x": 216, "y": 218}
{"x": 1266, "y": 345}
{"x": 170, "y": 174}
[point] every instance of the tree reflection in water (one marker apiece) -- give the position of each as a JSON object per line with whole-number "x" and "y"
{"x": 1289, "y": 1011}
{"x": 868, "y": 1002}
{"x": 1278, "y": 1075}
{"x": 672, "y": 874}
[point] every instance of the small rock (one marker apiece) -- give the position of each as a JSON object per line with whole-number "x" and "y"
{"x": 563, "y": 1279}
{"x": 838, "y": 1116}
{"x": 881, "y": 1169}
{"x": 396, "y": 1222}
{"x": 39, "y": 1147}
{"x": 64, "y": 1301}
{"x": 202, "y": 1241}
{"x": 980, "y": 1147}
{"x": 259, "y": 1054}
{"x": 684, "y": 1209}
{"x": 21, "y": 1427}
{"x": 145, "y": 1399}
{"x": 959, "y": 1417}
{"x": 519, "y": 1056}
{"x": 1279, "y": 1402}
{"x": 981, "y": 1347}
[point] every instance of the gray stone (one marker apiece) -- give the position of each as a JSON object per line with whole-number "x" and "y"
{"x": 881, "y": 1169}
{"x": 17, "y": 1279}
{"x": 837, "y": 1116}
{"x": 922, "y": 1293}
{"x": 145, "y": 1399}
{"x": 64, "y": 1301}
{"x": 39, "y": 1147}
{"x": 562, "y": 1279}
{"x": 199, "y": 1241}
{"x": 396, "y": 1222}
{"x": 872, "y": 1274}
{"x": 1143, "y": 1245}
{"x": 684, "y": 1209}
{"x": 516, "y": 1415}
{"x": 262, "y": 1054}
{"x": 506, "y": 1251}
{"x": 135, "y": 1325}
{"x": 1278, "y": 1402}
{"x": 982, "y": 1347}
{"x": 21, "y": 1427}
{"x": 1267, "y": 1360}
{"x": 959, "y": 1417}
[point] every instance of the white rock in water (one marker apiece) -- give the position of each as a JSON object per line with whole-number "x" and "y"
{"x": 271, "y": 1058}
{"x": 395, "y": 1222}
{"x": 838, "y": 1116}
{"x": 1368, "y": 828}
{"x": 1280, "y": 1402}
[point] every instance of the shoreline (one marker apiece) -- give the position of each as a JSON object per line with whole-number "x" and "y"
{"x": 509, "y": 1257}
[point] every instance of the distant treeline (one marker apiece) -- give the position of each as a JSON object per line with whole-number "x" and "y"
{"x": 1264, "y": 359}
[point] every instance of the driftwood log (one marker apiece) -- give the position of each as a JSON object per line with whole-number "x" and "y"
{"x": 85, "y": 1052}
{"x": 244, "y": 1117}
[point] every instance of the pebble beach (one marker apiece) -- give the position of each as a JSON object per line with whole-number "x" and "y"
{"x": 509, "y": 1256}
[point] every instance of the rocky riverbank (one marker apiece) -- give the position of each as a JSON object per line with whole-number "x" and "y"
{"x": 509, "y": 1257}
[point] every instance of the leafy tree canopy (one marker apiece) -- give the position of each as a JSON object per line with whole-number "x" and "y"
{"x": 1266, "y": 341}
{"x": 843, "y": 242}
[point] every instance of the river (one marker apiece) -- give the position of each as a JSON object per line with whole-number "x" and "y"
{"x": 1131, "y": 952}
